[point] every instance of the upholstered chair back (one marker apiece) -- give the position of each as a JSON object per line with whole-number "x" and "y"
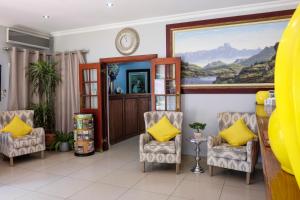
{"x": 154, "y": 116}
{"x": 226, "y": 119}
{"x": 25, "y": 115}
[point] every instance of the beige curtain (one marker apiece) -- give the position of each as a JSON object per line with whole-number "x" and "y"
{"x": 67, "y": 101}
{"x": 20, "y": 91}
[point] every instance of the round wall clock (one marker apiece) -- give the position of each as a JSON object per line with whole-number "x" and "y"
{"x": 127, "y": 41}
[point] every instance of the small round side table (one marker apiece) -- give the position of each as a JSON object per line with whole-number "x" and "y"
{"x": 197, "y": 168}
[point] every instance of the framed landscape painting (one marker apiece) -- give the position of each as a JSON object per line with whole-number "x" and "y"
{"x": 228, "y": 55}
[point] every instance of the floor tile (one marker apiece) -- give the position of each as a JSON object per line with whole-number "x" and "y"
{"x": 238, "y": 179}
{"x": 38, "y": 196}
{"x": 65, "y": 168}
{"x": 10, "y": 174}
{"x": 205, "y": 177}
{"x": 164, "y": 183}
{"x": 197, "y": 190}
{"x": 98, "y": 191}
{"x": 34, "y": 180}
{"x": 10, "y": 193}
{"x": 237, "y": 193}
{"x": 64, "y": 187}
{"x": 122, "y": 178}
{"x": 176, "y": 198}
{"x": 142, "y": 195}
{"x": 92, "y": 173}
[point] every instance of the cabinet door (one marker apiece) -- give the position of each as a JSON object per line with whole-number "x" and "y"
{"x": 116, "y": 120}
{"x": 90, "y": 97}
{"x": 131, "y": 117}
{"x": 143, "y": 106}
{"x": 166, "y": 84}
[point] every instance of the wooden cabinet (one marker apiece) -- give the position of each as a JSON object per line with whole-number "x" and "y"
{"x": 126, "y": 115}
{"x": 279, "y": 184}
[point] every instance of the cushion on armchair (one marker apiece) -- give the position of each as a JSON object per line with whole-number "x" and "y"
{"x": 163, "y": 130}
{"x": 238, "y": 134}
{"x": 225, "y": 150}
{"x": 17, "y": 128}
{"x": 160, "y": 147}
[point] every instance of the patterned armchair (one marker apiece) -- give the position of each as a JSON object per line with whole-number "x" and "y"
{"x": 31, "y": 143}
{"x": 221, "y": 154}
{"x": 161, "y": 152}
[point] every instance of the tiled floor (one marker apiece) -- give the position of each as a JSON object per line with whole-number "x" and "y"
{"x": 116, "y": 174}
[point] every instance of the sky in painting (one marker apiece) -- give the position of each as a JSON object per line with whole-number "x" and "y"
{"x": 247, "y": 36}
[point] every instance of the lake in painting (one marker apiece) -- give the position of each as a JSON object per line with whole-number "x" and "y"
{"x": 232, "y": 54}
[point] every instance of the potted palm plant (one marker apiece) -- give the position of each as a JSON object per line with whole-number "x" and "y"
{"x": 44, "y": 79}
{"x": 198, "y": 128}
{"x": 63, "y": 141}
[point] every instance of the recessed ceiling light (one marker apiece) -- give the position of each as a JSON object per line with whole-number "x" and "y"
{"x": 46, "y": 16}
{"x": 109, "y": 4}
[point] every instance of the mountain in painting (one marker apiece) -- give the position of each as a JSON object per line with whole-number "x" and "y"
{"x": 223, "y": 53}
{"x": 214, "y": 64}
{"x": 258, "y": 68}
{"x": 264, "y": 55}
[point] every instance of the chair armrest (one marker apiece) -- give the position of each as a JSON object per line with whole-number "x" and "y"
{"x": 6, "y": 139}
{"x": 178, "y": 142}
{"x": 213, "y": 141}
{"x": 39, "y": 132}
{"x": 252, "y": 151}
{"x": 144, "y": 139}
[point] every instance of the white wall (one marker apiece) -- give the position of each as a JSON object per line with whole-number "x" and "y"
{"x": 4, "y": 68}
{"x": 196, "y": 107}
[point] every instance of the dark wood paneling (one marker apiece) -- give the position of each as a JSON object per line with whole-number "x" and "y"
{"x": 131, "y": 116}
{"x": 116, "y": 122}
{"x": 127, "y": 115}
{"x": 143, "y": 106}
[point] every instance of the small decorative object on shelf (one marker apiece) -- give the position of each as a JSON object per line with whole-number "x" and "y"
{"x": 261, "y": 96}
{"x": 198, "y": 127}
{"x": 84, "y": 134}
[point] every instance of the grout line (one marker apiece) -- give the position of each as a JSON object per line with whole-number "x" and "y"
{"x": 222, "y": 189}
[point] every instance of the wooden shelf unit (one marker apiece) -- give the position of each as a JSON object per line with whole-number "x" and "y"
{"x": 279, "y": 184}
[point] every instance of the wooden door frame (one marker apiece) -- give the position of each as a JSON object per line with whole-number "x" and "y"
{"x": 103, "y": 68}
{"x": 166, "y": 61}
{"x": 98, "y": 133}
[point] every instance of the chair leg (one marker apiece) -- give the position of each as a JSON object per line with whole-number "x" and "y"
{"x": 248, "y": 175}
{"x": 210, "y": 170}
{"x": 42, "y": 154}
{"x": 143, "y": 166}
{"x": 11, "y": 161}
{"x": 177, "y": 168}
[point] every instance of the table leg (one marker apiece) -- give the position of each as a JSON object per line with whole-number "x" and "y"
{"x": 197, "y": 169}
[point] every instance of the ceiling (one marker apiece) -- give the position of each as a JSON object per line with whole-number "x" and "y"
{"x": 71, "y": 14}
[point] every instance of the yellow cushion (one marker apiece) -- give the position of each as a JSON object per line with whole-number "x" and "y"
{"x": 17, "y": 127}
{"x": 238, "y": 134}
{"x": 163, "y": 130}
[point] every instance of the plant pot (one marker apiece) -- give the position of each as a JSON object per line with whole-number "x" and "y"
{"x": 49, "y": 138}
{"x": 198, "y": 135}
{"x": 64, "y": 146}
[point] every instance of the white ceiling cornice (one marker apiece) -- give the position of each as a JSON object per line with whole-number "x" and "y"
{"x": 206, "y": 14}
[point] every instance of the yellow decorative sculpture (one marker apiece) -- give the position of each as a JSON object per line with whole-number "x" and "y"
{"x": 276, "y": 136}
{"x": 261, "y": 96}
{"x": 287, "y": 91}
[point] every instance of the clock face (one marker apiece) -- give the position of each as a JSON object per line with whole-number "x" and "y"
{"x": 127, "y": 41}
